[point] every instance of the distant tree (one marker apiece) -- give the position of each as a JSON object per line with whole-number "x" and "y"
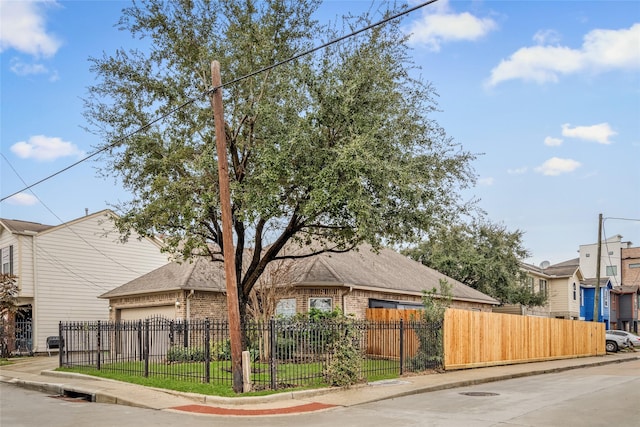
{"x": 338, "y": 147}
{"x": 482, "y": 255}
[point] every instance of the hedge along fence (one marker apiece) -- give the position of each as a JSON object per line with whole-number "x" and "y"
{"x": 475, "y": 339}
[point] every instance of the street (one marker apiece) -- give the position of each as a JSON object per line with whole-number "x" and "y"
{"x": 599, "y": 396}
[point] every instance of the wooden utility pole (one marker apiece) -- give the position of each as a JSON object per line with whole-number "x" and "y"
{"x": 596, "y": 297}
{"x": 227, "y": 230}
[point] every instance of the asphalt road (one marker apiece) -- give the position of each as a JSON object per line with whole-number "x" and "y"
{"x": 600, "y": 396}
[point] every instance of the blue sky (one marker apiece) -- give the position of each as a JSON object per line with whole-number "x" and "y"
{"x": 547, "y": 91}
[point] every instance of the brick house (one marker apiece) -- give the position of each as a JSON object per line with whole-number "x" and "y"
{"x": 352, "y": 281}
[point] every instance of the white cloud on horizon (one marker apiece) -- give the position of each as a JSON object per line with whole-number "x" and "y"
{"x": 486, "y": 182}
{"x": 22, "y": 28}
{"x": 557, "y": 166}
{"x": 599, "y": 133}
{"x": 552, "y": 142}
{"x": 22, "y": 199}
{"x": 440, "y": 25}
{"x": 45, "y": 148}
{"x": 601, "y": 50}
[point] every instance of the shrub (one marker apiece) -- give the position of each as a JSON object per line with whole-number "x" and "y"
{"x": 345, "y": 364}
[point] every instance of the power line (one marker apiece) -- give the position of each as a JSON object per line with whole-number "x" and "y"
{"x": 224, "y": 84}
{"x": 67, "y": 225}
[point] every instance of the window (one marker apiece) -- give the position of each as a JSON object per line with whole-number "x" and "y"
{"x": 635, "y": 265}
{"x": 528, "y": 282}
{"x": 542, "y": 283}
{"x": 286, "y": 307}
{"x": 587, "y": 255}
{"x": 6, "y": 257}
{"x": 605, "y": 298}
{"x": 581, "y": 297}
{"x": 610, "y": 252}
{"x": 612, "y": 270}
{"x": 574, "y": 291}
{"x": 322, "y": 304}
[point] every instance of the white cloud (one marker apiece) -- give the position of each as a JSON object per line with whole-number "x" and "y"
{"x": 440, "y": 25}
{"x": 22, "y": 28}
{"x": 22, "y": 199}
{"x": 23, "y": 69}
{"x": 599, "y": 133}
{"x": 488, "y": 181}
{"x": 556, "y": 166}
{"x": 552, "y": 142}
{"x": 546, "y": 37}
{"x": 601, "y": 50}
{"x": 517, "y": 171}
{"x": 45, "y": 148}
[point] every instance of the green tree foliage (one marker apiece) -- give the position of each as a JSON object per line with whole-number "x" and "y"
{"x": 338, "y": 147}
{"x": 482, "y": 255}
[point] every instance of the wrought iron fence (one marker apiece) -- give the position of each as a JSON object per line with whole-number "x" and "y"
{"x": 283, "y": 353}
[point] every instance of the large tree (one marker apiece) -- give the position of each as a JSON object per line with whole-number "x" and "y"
{"x": 483, "y": 255}
{"x": 335, "y": 148}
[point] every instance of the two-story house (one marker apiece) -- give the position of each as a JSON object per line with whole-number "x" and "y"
{"x": 560, "y": 283}
{"x": 61, "y": 270}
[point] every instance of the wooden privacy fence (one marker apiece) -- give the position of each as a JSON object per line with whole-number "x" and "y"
{"x": 474, "y": 339}
{"x": 386, "y": 342}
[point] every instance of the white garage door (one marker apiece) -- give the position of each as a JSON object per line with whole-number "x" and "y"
{"x": 166, "y": 311}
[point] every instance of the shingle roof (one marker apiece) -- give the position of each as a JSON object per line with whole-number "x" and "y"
{"x": 384, "y": 271}
{"x": 199, "y": 274}
{"x": 18, "y": 226}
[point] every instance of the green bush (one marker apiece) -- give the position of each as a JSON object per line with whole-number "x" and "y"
{"x": 345, "y": 364}
{"x": 185, "y": 354}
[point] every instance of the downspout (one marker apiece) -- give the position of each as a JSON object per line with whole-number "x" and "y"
{"x": 188, "y": 315}
{"x": 344, "y": 302}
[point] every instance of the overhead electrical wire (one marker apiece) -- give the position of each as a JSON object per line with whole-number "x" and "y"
{"x": 213, "y": 89}
{"x": 67, "y": 225}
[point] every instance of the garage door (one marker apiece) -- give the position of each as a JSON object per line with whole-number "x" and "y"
{"x": 166, "y": 311}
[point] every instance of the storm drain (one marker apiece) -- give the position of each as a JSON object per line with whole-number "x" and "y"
{"x": 479, "y": 393}
{"x": 74, "y": 396}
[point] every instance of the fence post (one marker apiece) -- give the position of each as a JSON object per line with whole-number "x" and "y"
{"x": 207, "y": 351}
{"x": 146, "y": 348}
{"x": 140, "y": 347}
{"x": 401, "y": 346}
{"x": 61, "y": 345}
{"x": 185, "y": 342}
{"x": 98, "y": 346}
{"x": 272, "y": 356}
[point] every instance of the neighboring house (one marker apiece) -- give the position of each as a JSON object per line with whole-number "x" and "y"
{"x": 61, "y": 270}
{"x": 564, "y": 289}
{"x": 630, "y": 266}
{"x": 625, "y": 308}
{"x": 610, "y": 259}
{"x": 559, "y": 282}
{"x": 351, "y": 281}
{"x": 587, "y": 303}
{"x": 535, "y": 280}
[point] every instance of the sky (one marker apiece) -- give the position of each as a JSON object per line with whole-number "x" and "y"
{"x": 547, "y": 93}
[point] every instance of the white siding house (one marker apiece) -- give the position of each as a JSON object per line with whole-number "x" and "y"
{"x": 61, "y": 270}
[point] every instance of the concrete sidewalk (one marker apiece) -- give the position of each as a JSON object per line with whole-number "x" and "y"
{"x": 38, "y": 373}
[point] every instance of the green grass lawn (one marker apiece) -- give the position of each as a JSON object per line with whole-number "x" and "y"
{"x": 190, "y": 377}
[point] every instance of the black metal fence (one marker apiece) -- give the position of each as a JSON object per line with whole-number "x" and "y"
{"x": 283, "y": 353}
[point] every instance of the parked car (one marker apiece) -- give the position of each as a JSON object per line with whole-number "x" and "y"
{"x": 633, "y": 338}
{"x": 615, "y": 342}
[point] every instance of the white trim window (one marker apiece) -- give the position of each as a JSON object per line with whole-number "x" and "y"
{"x": 322, "y": 304}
